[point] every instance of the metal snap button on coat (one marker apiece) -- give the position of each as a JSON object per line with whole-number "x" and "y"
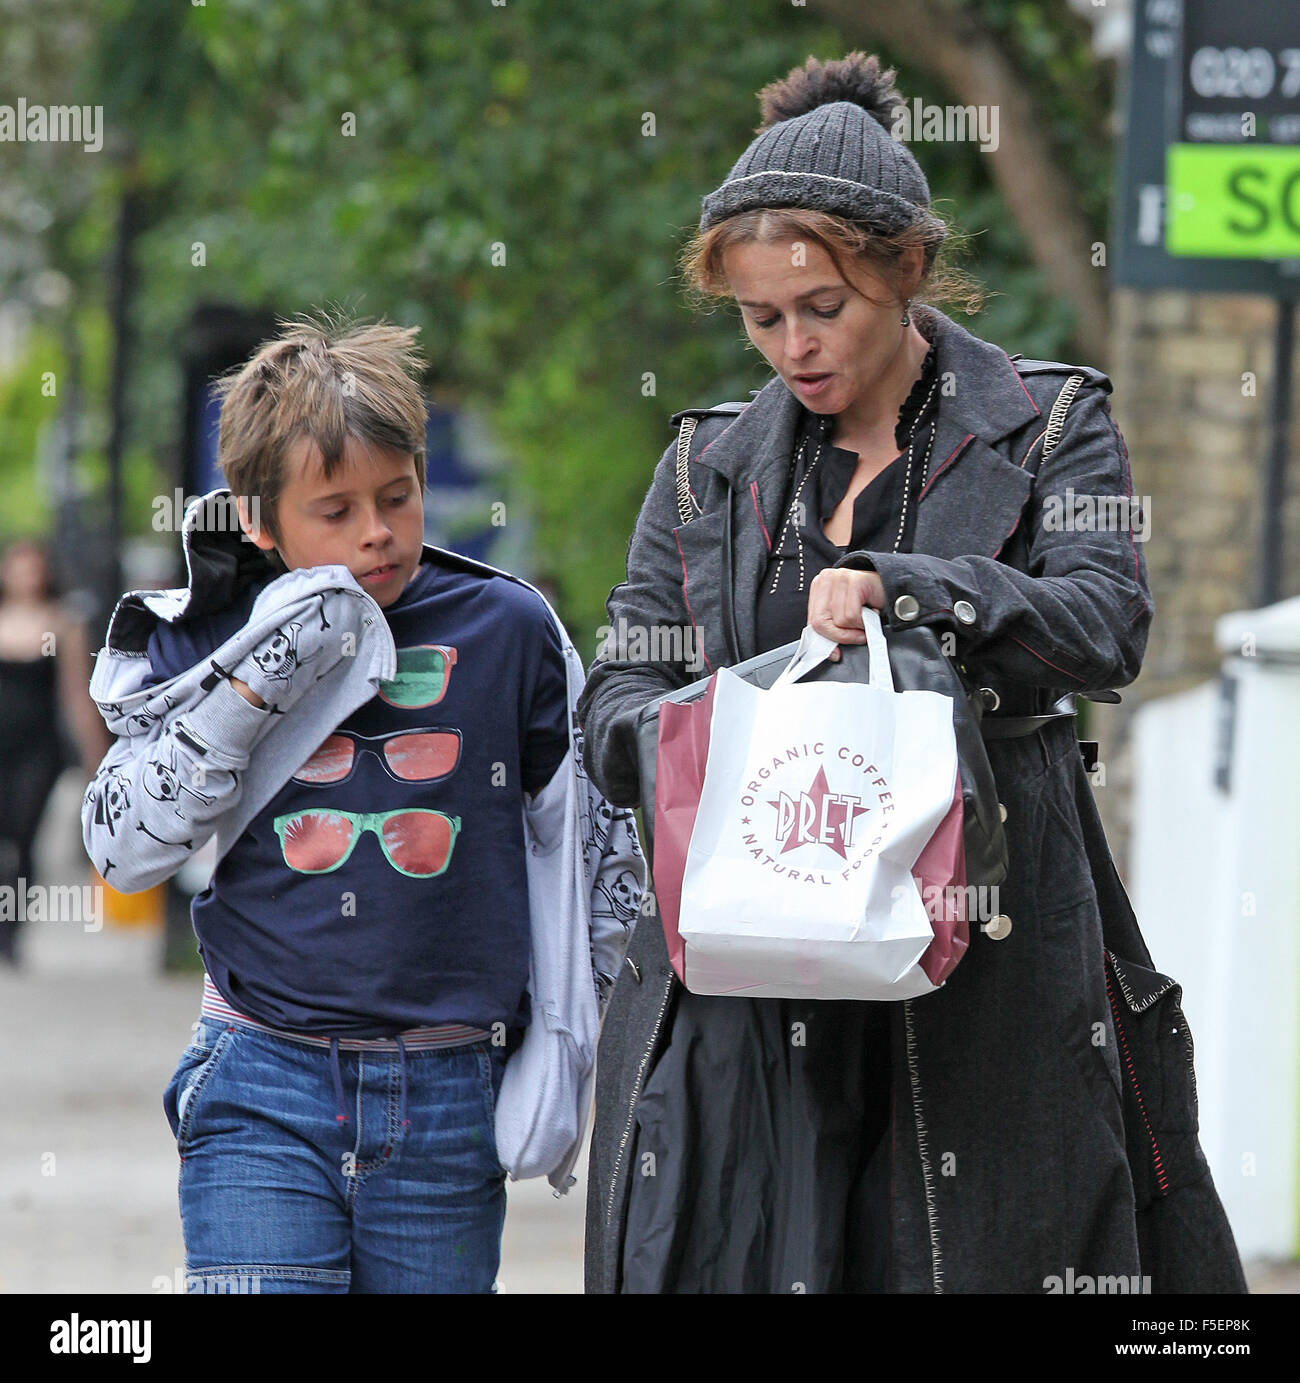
{"x": 997, "y": 928}
{"x": 1002, "y": 812}
{"x": 964, "y": 611}
{"x": 907, "y": 607}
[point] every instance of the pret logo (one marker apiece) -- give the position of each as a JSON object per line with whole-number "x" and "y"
{"x": 799, "y": 819}
{"x": 817, "y": 817}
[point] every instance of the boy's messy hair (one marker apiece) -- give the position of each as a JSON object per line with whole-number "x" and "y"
{"x": 325, "y": 377}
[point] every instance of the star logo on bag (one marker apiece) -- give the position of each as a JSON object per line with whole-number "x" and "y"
{"x": 817, "y": 817}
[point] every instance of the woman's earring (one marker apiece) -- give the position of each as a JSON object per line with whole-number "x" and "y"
{"x": 906, "y": 320}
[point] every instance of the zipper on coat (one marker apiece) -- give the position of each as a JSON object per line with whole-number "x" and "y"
{"x": 927, "y": 1180}
{"x": 632, "y": 1102}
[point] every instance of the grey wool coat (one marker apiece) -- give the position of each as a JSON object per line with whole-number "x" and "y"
{"x": 1042, "y": 1121}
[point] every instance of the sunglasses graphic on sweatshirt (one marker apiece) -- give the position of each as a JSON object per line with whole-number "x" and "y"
{"x": 408, "y": 756}
{"x": 416, "y": 841}
{"x": 423, "y": 675}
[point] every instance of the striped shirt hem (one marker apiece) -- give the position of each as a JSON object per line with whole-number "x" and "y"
{"x": 413, "y": 1039}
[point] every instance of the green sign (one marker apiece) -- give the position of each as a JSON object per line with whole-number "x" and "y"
{"x": 1236, "y": 201}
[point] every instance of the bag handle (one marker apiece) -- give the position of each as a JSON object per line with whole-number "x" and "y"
{"x": 814, "y": 649}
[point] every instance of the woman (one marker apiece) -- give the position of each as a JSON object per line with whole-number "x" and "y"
{"x": 1033, "y": 1122}
{"x": 44, "y": 671}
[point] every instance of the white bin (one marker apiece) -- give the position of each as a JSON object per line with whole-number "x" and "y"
{"x": 1215, "y": 883}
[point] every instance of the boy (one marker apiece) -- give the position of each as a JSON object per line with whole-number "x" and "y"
{"x": 381, "y": 736}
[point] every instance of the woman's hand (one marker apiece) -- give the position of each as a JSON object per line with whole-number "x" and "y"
{"x": 835, "y": 601}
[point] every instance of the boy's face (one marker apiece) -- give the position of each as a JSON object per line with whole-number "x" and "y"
{"x": 368, "y": 516}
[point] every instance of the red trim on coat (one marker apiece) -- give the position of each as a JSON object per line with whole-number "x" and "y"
{"x": 687, "y": 599}
{"x": 1037, "y": 411}
{"x": 1162, "y": 1180}
{"x": 753, "y": 492}
{"x": 1048, "y": 661}
{"x": 948, "y": 462}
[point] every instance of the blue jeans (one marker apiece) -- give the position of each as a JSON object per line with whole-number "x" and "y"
{"x": 278, "y": 1195}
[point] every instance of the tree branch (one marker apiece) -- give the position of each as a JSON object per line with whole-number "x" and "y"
{"x": 957, "y": 51}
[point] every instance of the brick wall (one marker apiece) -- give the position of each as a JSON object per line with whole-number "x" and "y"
{"x": 1197, "y": 442}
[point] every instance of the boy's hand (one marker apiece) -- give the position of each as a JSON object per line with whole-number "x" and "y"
{"x": 247, "y": 693}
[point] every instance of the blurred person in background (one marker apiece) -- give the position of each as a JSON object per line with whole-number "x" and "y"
{"x": 47, "y": 720}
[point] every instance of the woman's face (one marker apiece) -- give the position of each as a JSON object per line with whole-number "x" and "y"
{"x": 23, "y": 575}
{"x": 827, "y": 341}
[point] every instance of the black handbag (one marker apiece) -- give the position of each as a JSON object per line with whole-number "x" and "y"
{"x": 918, "y": 664}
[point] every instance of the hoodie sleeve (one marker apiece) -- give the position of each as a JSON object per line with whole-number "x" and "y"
{"x": 614, "y": 869}
{"x": 183, "y": 745}
{"x": 160, "y": 790}
{"x": 616, "y": 896}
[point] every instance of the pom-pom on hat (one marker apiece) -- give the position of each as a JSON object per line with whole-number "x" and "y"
{"x": 825, "y": 145}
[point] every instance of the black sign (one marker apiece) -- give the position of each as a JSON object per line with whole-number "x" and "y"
{"x": 1152, "y": 89}
{"x": 1240, "y": 72}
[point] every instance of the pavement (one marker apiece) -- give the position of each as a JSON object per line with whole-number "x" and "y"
{"x": 92, "y": 1031}
{"x": 88, "y": 1164}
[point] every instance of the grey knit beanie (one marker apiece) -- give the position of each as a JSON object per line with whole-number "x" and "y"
{"x": 825, "y": 145}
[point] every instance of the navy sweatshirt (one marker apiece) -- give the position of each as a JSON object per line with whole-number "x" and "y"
{"x": 385, "y": 887}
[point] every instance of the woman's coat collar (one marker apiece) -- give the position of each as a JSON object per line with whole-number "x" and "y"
{"x": 970, "y": 505}
{"x": 983, "y": 395}
{"x": 982, "y": 400}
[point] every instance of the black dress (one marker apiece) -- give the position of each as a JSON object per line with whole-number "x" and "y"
{"x": 32, "y": 755}
{"x": 823, "y": 1225}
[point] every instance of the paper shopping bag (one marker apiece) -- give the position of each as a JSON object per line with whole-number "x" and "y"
{"x": 679, "y": 779}
{"x": 812, "y": 836}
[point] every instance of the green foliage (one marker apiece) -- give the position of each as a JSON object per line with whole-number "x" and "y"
{"x": 389, "y": 155}
{"x": 26, "y": 412}
{"x": 1051, "y": 48}
{"x": 32, "y": 399}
